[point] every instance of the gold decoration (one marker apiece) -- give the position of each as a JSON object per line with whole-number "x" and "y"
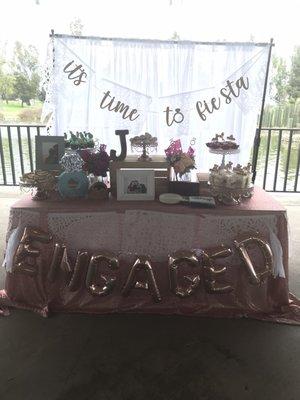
{"x": 56, "y": 261}
{"x": 142, "y": 263}
{"x": 210, "y": 271}
{"x": 26, "y": 254}
{"x": 145, "y": 142}
{"x": 78, "y": 271}
{"x": 43, "y": 181}
{"x": 175, "y": 260}
{"x": 113, "y": 262}
{"x": 256, "y": 278}
{"x": 24, "y": 260}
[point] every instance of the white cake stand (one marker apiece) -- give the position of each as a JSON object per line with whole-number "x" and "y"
{"x": 224, "y": 153}
{"x": 228, "y": 195}
{"x": 231, "y": 196}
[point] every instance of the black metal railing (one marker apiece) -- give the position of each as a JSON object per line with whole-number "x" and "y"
{"x": 277, "y": 168}
{"x": 17, "y": 151}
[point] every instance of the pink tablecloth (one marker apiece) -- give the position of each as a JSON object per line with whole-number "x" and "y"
{"x": 133, "y": 230}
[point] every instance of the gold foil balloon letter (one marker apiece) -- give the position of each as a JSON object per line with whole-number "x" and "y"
{"x": 26, "y": 254}
{"x": 109, "y": 283}
{"x": 210, "y": 271}
{"x": 175, "y": 260}
{"x": 256, "y": 278}
{"x": 56, "y": 261}
{"x": 142, "y": 263}
{"x": 78, "y": 271}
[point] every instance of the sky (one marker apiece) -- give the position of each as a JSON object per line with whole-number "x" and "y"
{"x": 31, "y": 21}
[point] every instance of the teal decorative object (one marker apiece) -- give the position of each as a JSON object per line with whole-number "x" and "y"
{"x": 73, "y": 184}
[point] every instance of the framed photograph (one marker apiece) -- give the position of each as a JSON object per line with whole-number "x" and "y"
{"x": 48, "y": 152}
{"x": 135, "y": 184}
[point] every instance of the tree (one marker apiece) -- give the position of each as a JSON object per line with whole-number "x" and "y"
{"x": 279, "y": 81}
{"x": 175, "y": 36}
{"x": 26, "y": 89}
{"x": 294, "y": 81}
{"x": 41, "y": 94}
{"x": 25, "y": 70}
{"x": 76, "y": 27}
{"x": 6, "y": 81}
{"x": 7, "y": 86}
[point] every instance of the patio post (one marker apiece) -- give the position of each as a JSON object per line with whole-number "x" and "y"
{"x": 258, "y": 130}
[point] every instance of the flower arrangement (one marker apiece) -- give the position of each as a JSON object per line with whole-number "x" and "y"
{"x": 79, "y": 140}
{"x": 182, "y": 162}
{"x": 95, "y": 162}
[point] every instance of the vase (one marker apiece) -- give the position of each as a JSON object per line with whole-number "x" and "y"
{"x": 71, "y": 161}
{"x": 187, "y": 177}
{"x": 172, "y": 175}
{"x": 96, "y": 179}
{"x": 92, "y": 179}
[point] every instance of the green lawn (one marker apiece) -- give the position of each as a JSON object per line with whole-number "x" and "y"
{"x": 14, "y": 112}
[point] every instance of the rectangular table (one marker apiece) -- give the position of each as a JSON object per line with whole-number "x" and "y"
{"x": 148, "y": 257}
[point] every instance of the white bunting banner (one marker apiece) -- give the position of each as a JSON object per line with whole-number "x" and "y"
{"x": 171, "y": 90}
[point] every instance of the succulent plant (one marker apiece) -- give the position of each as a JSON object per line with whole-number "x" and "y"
{"x": 79, "y": 140}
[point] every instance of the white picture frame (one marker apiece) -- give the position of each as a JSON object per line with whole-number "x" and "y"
{"x": 135, "y": 184}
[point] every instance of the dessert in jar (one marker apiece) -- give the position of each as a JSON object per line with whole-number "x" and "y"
{"x": 230, "y": 177}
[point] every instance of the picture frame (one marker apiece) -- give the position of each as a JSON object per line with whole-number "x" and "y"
{"x": 135, "y": 184}
{"x": 48, "y": 152}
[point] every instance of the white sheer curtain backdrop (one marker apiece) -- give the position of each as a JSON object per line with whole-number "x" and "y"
{"x": 150, "y": 76}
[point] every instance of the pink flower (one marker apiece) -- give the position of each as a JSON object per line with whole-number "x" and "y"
{"x": 180, "y": 161}
{"x": 174, "y": 148}
{"x": 190, "y": 152}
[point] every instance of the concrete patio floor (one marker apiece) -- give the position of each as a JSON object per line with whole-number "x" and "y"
{"x": 132, "y": 357}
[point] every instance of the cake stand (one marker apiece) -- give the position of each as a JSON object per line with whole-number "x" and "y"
{"x": 224, "y": 153}
{"x": 231, "y": 196}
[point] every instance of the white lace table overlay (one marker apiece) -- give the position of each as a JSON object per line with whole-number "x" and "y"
{"x": 21, "y": 218}
{"x": 157, "y": 233}
{"x": 18, "y": 220}
{"x": 92, "y": 231}
{"x": 150, "y": 232}
{"x": 217, "y": 229}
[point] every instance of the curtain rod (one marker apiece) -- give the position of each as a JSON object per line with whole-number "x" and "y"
{"x": 62, "y": 35}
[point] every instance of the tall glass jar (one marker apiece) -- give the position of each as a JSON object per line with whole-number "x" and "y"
{"x": 186, "y": 177}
